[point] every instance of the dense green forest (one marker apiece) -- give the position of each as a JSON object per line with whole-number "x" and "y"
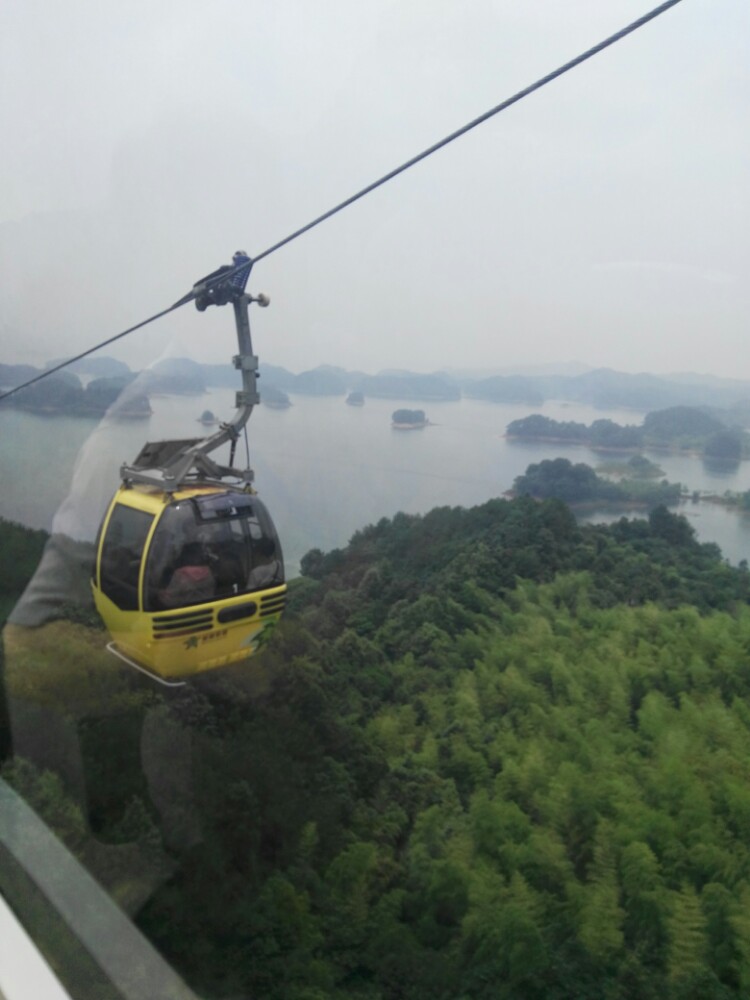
{"x": 488, "y": 754}
{"x": 579, "y": 483}
{"x": 678, "y": 427}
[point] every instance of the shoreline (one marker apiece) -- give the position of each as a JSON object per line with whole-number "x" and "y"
{"x": 664, "y": 448}
{"x": 584, "y": 505}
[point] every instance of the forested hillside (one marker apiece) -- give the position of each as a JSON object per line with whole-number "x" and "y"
{"x": 488, "y": 754}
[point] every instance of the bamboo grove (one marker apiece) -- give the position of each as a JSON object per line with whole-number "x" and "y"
{"x": 488, "y": 754}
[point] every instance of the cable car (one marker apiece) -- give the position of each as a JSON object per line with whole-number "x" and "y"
{"x": 189, "y": 573}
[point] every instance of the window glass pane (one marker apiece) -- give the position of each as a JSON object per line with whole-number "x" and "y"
{"x": 267, "y": 568}
{"x": 230, "y": 557}
{"x": 177, "y": 574}
{"x": 121, "y": 555}
{"x": 219, "y": 506}
{"x": 211, "y": 548}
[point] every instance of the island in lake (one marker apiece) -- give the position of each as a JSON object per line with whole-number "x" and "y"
{"x": 62, "y": 394}
{"x": 722, "y": 403}
{"x": 677, "y": 428}
{"x": 408, "y": 420}
{"x": 275, "y": 398}
{"x": 135, "y": 407}
{"x": 579, "y": 484}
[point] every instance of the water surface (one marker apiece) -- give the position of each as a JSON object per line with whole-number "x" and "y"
{"x": 326, "y": 469}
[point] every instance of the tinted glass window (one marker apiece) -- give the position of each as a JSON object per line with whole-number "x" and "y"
{"x": 211, "y": 548}
{"x": 224, "y": 505}
{"x": 267, "y": 563}
{"x": 121, "y": 555}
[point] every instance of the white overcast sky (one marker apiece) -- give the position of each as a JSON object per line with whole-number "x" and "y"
{"x": 604, "y": 219}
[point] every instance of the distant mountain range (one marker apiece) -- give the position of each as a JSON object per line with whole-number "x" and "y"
{"x": 602, "y": 387}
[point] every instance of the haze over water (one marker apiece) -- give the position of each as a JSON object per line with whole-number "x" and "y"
{"x": 326, "y": 469}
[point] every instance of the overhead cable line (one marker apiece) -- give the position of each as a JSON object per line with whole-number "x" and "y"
{"x": 84, "y": 354}
{"x": 473, "y": 124}
{"x": 519, "y": 96}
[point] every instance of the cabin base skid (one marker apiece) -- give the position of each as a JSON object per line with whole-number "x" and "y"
{"x": 174, "y": 681}
{"x": 175, "y": 666}
{"x": 112, "y": 648}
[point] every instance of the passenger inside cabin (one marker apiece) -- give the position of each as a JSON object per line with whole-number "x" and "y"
{"x": 266, "y": 571}
{"x": 190, "y": 581}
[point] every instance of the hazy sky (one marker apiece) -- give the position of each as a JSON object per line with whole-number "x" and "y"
{"x": 605, "y": 219}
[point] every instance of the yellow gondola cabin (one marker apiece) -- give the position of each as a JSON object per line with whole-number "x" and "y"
{"x": 189, "y": 574}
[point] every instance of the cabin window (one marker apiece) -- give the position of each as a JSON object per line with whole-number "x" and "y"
{"x": 266, "y": 563}
{"x": 122, "y": 552}
{"x": 211, "y": 548}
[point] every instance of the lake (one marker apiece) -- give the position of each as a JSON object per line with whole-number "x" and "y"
{"x": 326, "y": 469}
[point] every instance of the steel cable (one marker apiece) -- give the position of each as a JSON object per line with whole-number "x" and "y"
{"x": 520, "y": 95}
